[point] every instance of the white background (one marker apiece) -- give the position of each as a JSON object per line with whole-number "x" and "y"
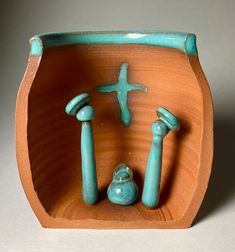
{"x": 213, "y": 22}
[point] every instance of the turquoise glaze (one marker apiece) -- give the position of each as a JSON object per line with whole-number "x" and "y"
{"x": 76, "y": 103}
{"x": 89, "y": 177}
{"x": 182, "y": 41}
{"x": 36, "y": 47}
{"x": 160, "y": 128}
{"x": 122, "y": 190}
{"x": 170, "y": 120}
{"x": 122, "y": 87}
{"x": 85, "y": 113}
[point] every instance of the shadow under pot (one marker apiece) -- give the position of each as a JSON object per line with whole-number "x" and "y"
{"x": 122, "y": 190}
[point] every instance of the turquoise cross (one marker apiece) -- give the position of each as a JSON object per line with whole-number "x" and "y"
{"x": 122, "y": 87}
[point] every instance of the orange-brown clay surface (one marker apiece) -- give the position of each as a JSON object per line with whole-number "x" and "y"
{"x": 48, "y": 141}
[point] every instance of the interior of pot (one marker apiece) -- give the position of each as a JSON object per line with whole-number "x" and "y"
{"x": 54, "y": 137}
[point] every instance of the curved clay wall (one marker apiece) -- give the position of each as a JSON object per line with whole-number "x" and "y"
{"x": 54, "y": 138}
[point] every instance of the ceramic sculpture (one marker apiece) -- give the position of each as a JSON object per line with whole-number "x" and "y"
{"x": 122, "y": 190}
{"x": 122, "y": 87}
{"x": 160, "y": 128}
{"x": 166, "y": 67}
{"x": 85, "y": 113}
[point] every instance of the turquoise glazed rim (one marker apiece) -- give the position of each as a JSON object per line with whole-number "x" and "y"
{"x": 185, "y": 42}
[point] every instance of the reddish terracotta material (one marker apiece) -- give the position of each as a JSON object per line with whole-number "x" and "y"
{"x": 48, "y": 142}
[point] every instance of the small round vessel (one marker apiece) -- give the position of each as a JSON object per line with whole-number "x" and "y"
{"x": 122, "y": 190}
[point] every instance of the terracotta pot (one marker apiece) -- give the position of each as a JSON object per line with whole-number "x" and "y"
{"x": 62, "y": 66}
